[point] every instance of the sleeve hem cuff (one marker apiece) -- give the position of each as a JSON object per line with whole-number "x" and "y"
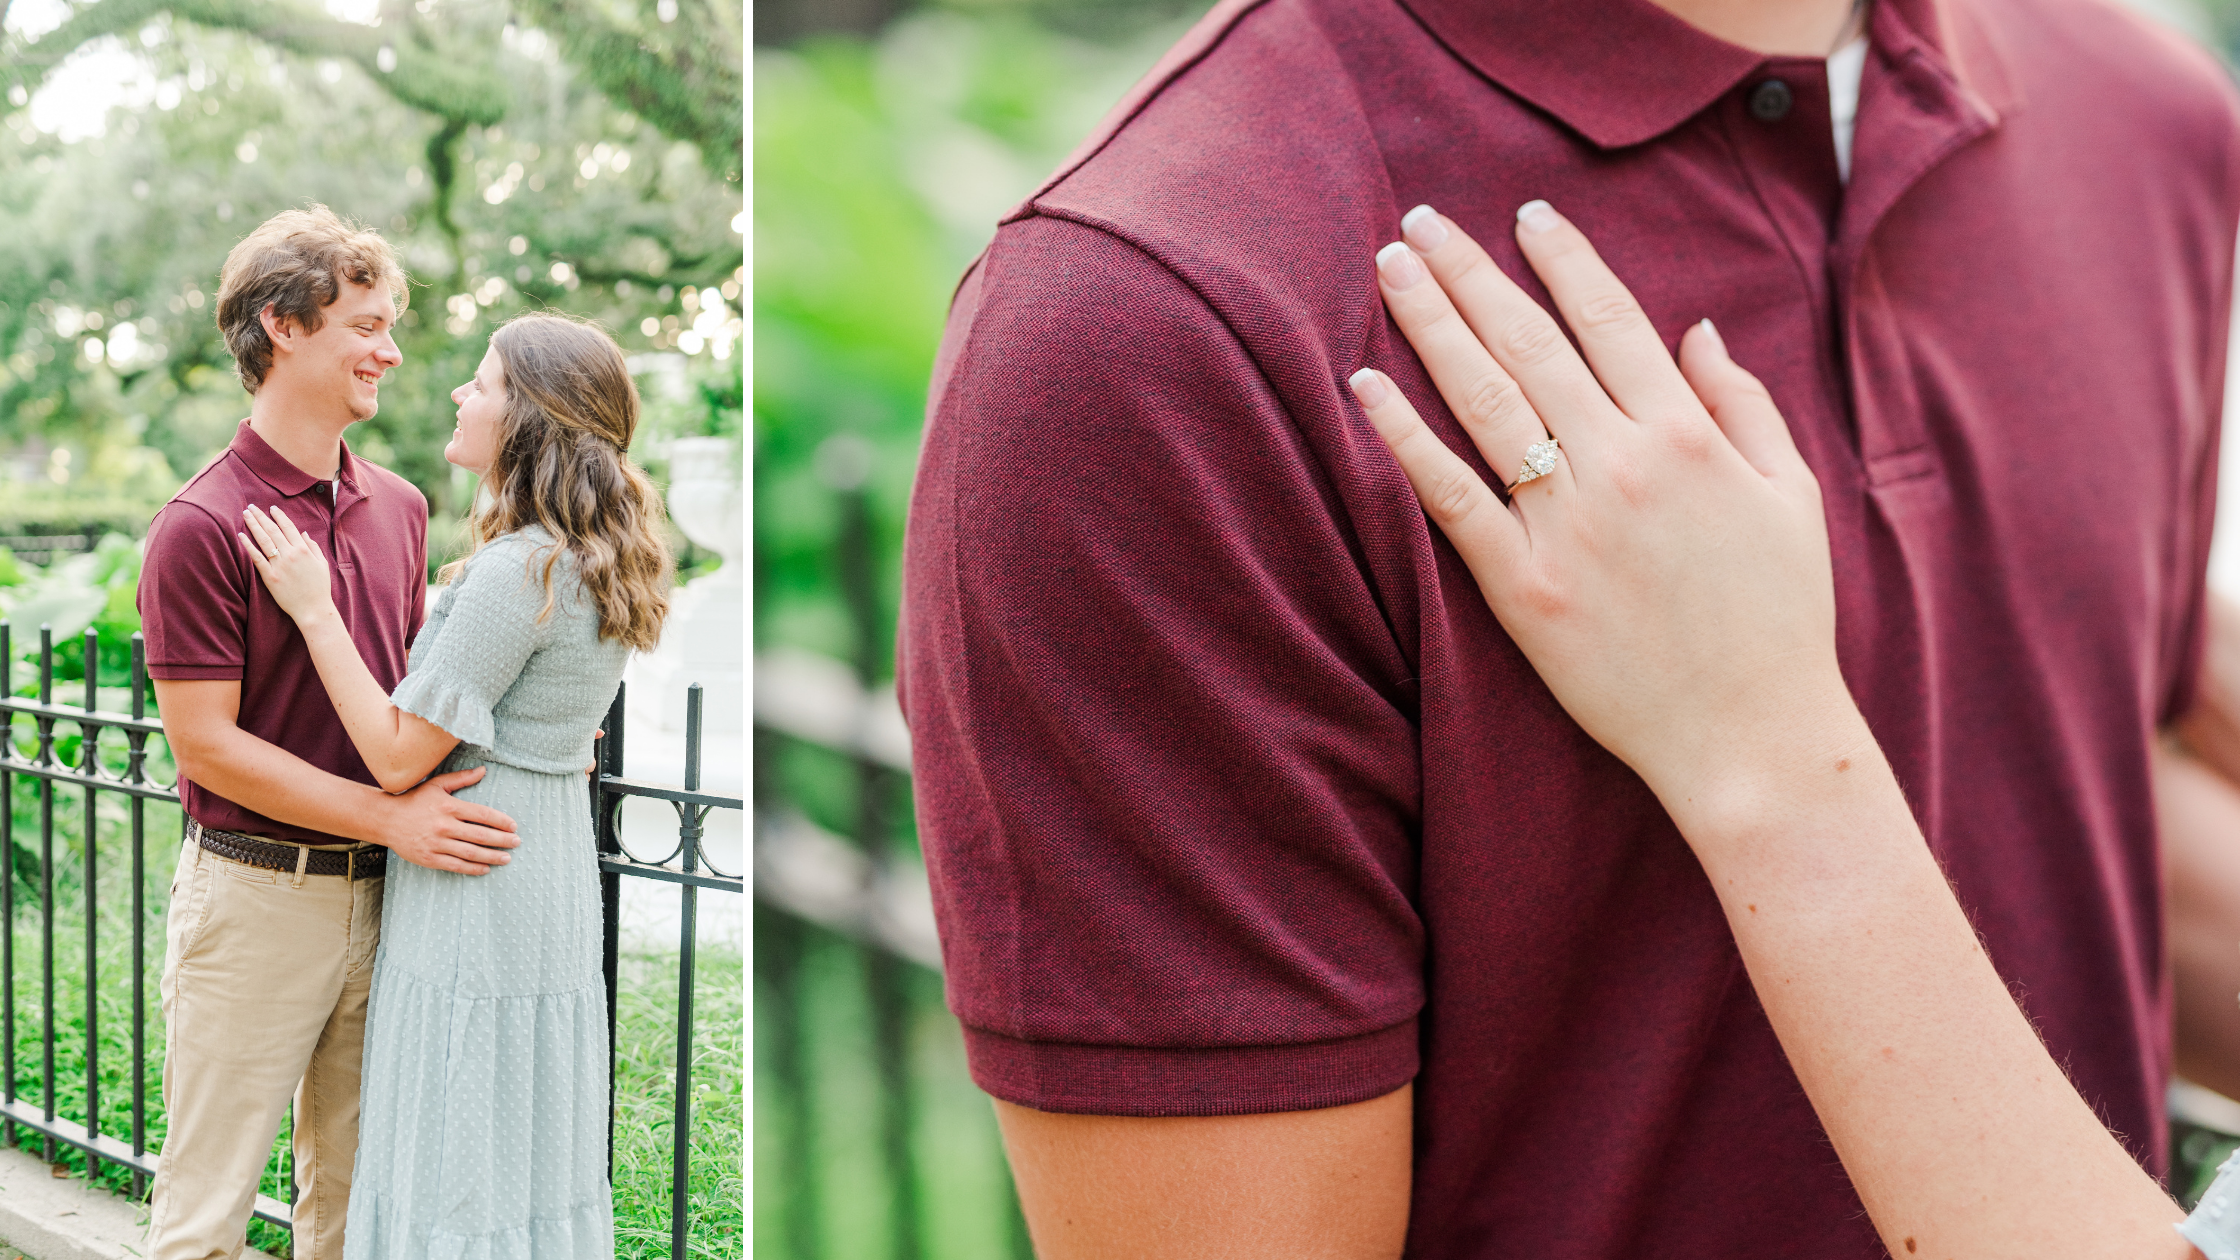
{"x": 194, "y": 673}
{"x": 451, "y": 713}
{"x": 1196, "y": 1081}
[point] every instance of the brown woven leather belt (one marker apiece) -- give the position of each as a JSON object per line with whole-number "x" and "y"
{"x": 368, "y": 862}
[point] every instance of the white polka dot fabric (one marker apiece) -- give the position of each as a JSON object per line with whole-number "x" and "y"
{"x": 2214, "y": 1227}
{"x": 484, "y": 1125}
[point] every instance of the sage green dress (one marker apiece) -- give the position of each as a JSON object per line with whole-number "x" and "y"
{"x": 484, "y": 1110}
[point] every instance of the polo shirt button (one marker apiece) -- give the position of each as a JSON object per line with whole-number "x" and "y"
{"x": 1771, "y": 101}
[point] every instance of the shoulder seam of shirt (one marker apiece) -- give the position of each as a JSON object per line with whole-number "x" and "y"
{"x": 209, "y": 515}
{"x": 200, "y": 474}
{"x": 1192, "y": 48}
{"x": 1116, "y": 233}
{"x": 991, "y": 266}
{"x": 1113, "y": 231}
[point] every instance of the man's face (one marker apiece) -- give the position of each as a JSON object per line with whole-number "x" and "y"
{"x": 345, "y": 359}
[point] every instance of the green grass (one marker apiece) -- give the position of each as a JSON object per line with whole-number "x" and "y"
{"x": 113, "y": 959}
{"x": 644, "y": 1130}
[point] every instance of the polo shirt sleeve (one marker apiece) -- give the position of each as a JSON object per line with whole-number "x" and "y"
{"x": 194, "y": 608}
{"x": 1163, "y": 742}
{"x": 416, "y": 613}
{"x": 2186, "y": 628}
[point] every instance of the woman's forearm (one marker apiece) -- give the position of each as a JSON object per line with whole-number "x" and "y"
{"x": 1960, "y": 1132}
{"x": 398, "y": 748}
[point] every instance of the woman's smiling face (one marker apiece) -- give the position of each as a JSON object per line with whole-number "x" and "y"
{"x": 482, "y": 406}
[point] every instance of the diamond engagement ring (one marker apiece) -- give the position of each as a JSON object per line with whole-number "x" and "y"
{"x": 1539, "y": 461}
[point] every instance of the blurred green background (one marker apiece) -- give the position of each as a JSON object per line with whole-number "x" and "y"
{"x": 888, "y": 139}
{"x": 886, "y": 145}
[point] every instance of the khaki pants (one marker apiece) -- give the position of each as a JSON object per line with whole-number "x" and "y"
{"x": 265, "y": 979}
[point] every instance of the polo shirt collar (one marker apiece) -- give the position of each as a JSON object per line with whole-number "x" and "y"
{"x": 1622, "y": 72}
{"x": 273, "y": 468}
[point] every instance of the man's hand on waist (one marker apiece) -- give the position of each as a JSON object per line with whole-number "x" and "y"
{"x": 430, "y": 827}
{"x": 424, "y": 826}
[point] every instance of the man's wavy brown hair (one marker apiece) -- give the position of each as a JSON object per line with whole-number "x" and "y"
{"x": 296, "y": 262}
{"x": 563, "y": 462}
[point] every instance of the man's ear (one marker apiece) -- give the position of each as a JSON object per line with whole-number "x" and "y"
{"x": 278, "y": 329}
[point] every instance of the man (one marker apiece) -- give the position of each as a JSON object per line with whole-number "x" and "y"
{"x": 276, "y": 907}
{"x": 1285, "y": 910}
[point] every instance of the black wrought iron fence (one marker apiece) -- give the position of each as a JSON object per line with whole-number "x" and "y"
{"x": 88, "y": 775}
{"x": 43, "y": 548}
{"x": 860, "y": 1076}
{"x": 850, "y": 911}
{"x": 82, "y": 769}
{"x": 686, "y": 866}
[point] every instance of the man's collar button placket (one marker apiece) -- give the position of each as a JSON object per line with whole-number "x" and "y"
{"x": 1771, "y": 101}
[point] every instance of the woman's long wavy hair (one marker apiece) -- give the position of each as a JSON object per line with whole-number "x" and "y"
{"x": 562, "y": 462}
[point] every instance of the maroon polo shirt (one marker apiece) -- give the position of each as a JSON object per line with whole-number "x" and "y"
{"x": 207, "y": 615}
{"x": 1236, "y": 798}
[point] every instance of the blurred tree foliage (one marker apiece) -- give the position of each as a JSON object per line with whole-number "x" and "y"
{"x": 881, "y": 167}
{"x": 1114, "y": 23}
{"x": 549, "y": 153}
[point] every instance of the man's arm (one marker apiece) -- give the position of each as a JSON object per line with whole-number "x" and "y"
{"x": 2199, "y": 808}
{"x": 2197, "y": 795}
{"x": 1166, "y": 770}
{"x": 426, "y": 826}
{"x": 1331, "y": 1183}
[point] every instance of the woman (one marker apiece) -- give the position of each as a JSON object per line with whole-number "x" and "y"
{"x": 485, "y": 1095}
{"x": 1664, "y": 563}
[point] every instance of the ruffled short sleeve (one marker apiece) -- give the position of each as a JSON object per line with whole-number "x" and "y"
{"x": 481, "y": 636}
{"x": 2214, "y": 1227}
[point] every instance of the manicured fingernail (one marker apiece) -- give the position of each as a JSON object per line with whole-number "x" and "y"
{"x": 1718, "y": 342}
{"x": 1423, "y": 229}
{"x": 1399, "y": 265}
{"x": 1537, "y": 216}
{"x": 1368, "y": 386}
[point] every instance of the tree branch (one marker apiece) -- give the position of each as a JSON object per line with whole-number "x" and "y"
{"x": 448, "y": 80}
{"x": 686, "y": 77}
{"x": 443, "y": 173}
{"x": 691, "y": 90}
